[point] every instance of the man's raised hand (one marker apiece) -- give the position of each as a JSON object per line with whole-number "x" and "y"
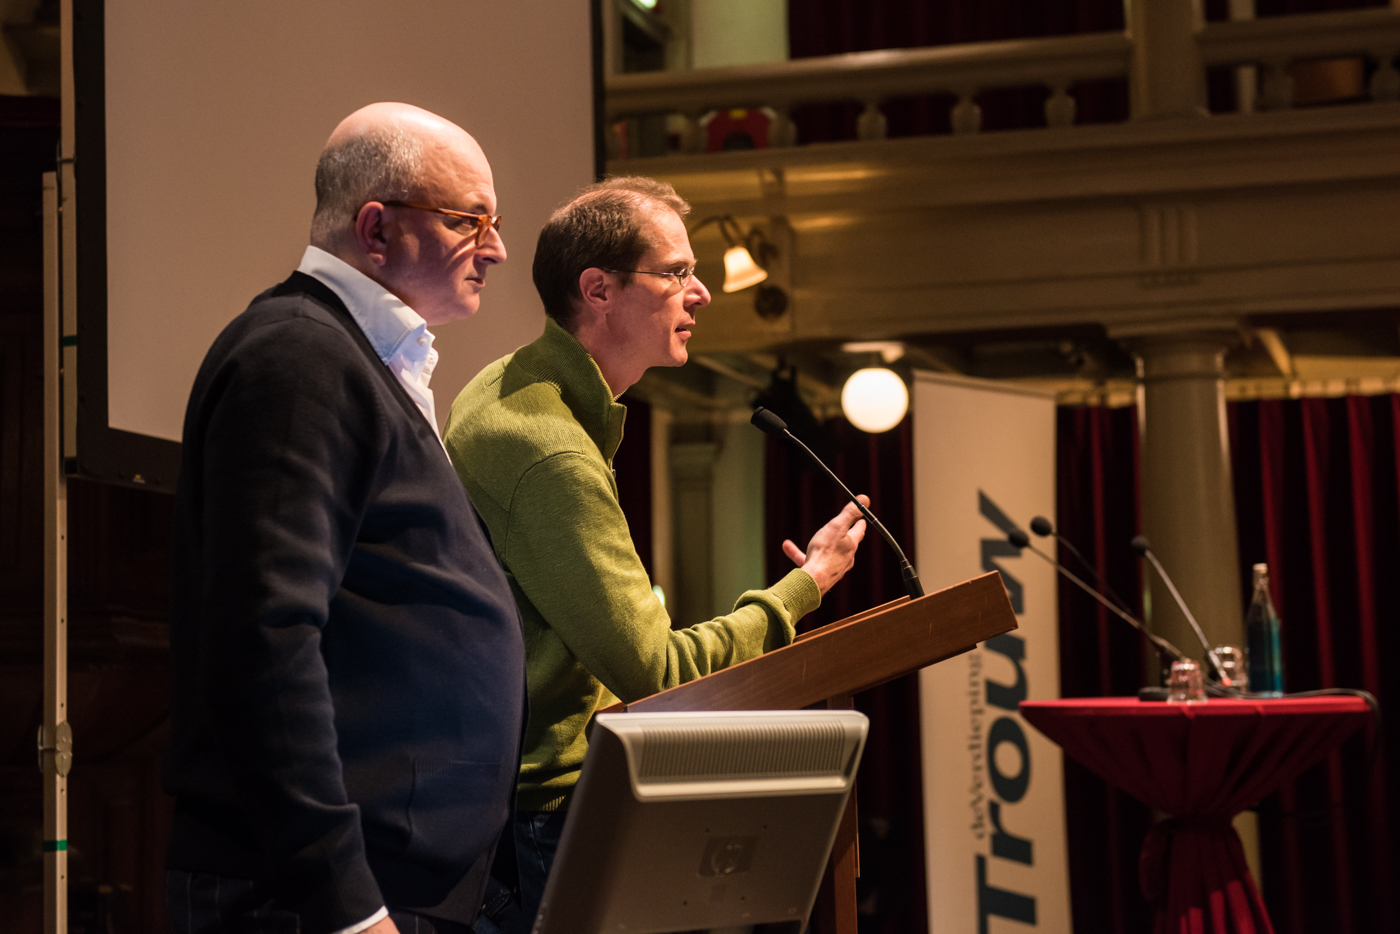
{"x": 832, "y": 551}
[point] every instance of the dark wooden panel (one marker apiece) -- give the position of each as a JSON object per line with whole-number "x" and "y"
{"x": 119, "y": 557}
{"x": 119, "y": 565}
{"x": 21, "y": 431}
{"x": 28, "y": 152}
{"x": 119, "y": 816}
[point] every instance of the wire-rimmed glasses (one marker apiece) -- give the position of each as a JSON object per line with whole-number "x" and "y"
{"x": 682, "y": 276}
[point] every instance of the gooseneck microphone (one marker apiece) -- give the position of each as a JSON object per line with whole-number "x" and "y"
{"x": 1143, "y": 547}
{"x": 1165, "y": 650}
{"x": 770, "y": 424}
{"x": 1042, "y": 527}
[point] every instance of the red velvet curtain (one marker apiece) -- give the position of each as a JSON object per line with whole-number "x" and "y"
{"x": 632, "y": 464}
{"x": 832, "y": 27}
{"x": 798, "y": 501}
{"x": 1097, "y": 510}
{"x": 1317, "y": 494}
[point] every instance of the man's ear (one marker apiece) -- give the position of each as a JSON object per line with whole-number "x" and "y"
{"x": 597, "y": 290}
{"x": 370, "y": 235}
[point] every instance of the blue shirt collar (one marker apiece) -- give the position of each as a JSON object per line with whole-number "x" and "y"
{"x": 391, "y": 326}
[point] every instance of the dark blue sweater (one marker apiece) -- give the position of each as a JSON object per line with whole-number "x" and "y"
{"x": 349, "y": 677}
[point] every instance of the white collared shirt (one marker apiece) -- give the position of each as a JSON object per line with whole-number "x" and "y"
{"x": 397, "y": 333}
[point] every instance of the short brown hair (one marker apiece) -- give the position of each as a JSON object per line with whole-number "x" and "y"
{"x": 602, "y": 226}
{"x": 383, "y": 164}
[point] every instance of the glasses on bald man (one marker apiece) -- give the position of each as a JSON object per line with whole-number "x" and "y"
{"x": 481, "y": 222}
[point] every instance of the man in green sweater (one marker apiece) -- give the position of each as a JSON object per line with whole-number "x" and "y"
{"x": 533, "y": 438}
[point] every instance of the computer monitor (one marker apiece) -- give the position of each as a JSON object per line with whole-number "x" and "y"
{"x": 688, "y": 821}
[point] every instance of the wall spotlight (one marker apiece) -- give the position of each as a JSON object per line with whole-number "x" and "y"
{"x": 746, "y": 260}
{"x": 740, "y": 270}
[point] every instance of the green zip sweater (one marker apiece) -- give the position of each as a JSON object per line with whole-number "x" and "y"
{"x": 533, "y": 438}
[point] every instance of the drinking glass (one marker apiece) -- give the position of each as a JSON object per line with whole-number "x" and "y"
{"x": 1234, "y": 667}
{"x": 1184, "y": 685}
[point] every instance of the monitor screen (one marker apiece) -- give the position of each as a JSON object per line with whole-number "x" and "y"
{"x": 688, "y": 821}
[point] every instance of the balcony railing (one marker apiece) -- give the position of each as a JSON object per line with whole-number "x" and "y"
{"x": 1280, "y": 42}
{"x": 1273, "y": 46}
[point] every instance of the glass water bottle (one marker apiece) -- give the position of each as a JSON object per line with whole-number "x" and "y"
{"x": 1265, "y": 652}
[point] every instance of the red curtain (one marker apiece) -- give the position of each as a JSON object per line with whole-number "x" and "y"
{"x": 632, "y": 466}
{"x": 828, "y": 27}
{"x": 798, "y": 501}
{"x": 832, "y": 27}
{"x": 1097, "y": 510}
{"x": 1317, "y": 494}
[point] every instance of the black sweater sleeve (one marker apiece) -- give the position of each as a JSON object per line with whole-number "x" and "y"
{"x": 288, "y": 432}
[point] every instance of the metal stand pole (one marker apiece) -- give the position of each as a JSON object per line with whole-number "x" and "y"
{"x": 55, "y": 736}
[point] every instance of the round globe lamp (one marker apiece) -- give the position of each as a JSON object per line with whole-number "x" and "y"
{"x": 874, "y": 399}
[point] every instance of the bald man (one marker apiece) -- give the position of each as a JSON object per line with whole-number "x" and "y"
{"x": 348, "y": 672}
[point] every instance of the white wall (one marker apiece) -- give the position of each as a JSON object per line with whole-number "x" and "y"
{"x": 216, "y": 116}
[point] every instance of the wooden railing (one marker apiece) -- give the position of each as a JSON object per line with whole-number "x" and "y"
{"x": 875, "y": 77}
{"x": 1058, "y": 63}
{"x": 1277, "y": 43}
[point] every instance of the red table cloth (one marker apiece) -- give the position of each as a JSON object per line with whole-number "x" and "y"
{"x": 1203, "y": 764}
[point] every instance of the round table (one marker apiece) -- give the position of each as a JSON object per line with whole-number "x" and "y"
{"x": 1202, "y": 764}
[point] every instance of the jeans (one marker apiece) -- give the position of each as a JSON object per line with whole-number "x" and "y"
{"x": 536, "y": 841}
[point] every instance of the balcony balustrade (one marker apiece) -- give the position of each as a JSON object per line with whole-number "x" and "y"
{"x": 1150, "y": 56}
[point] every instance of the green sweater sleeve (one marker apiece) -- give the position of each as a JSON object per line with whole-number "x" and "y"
{"x": 568, "y": 547}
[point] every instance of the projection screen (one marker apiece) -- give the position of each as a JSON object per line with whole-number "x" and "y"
{"x": 196, "y": 130}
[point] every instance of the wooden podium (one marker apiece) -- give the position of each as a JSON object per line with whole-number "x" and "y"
{"x": 835, "y": 662}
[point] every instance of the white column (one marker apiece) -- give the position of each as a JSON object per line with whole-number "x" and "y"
{"x": 1188, "y": 502}
{"x": 1168, "y": 78}
{"x": 738, "y": 32}
{"x": 1246, "y": 76}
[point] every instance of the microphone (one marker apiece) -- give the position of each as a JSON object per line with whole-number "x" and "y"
{"x": 1165, "y": 650}
{"x": 770, "y": 424}
{"x": 1042, "y": 527}
{"x": 1143, "y": 547}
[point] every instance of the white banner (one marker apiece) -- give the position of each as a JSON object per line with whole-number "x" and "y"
{"x": 994, "y": 813}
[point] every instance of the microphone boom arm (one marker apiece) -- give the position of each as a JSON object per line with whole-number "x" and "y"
{"x": 912, "y": 585}
{"x": 769, "y": 423}
{"x": 1160, "y": 644}
{"x": 1190, "y": 618}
